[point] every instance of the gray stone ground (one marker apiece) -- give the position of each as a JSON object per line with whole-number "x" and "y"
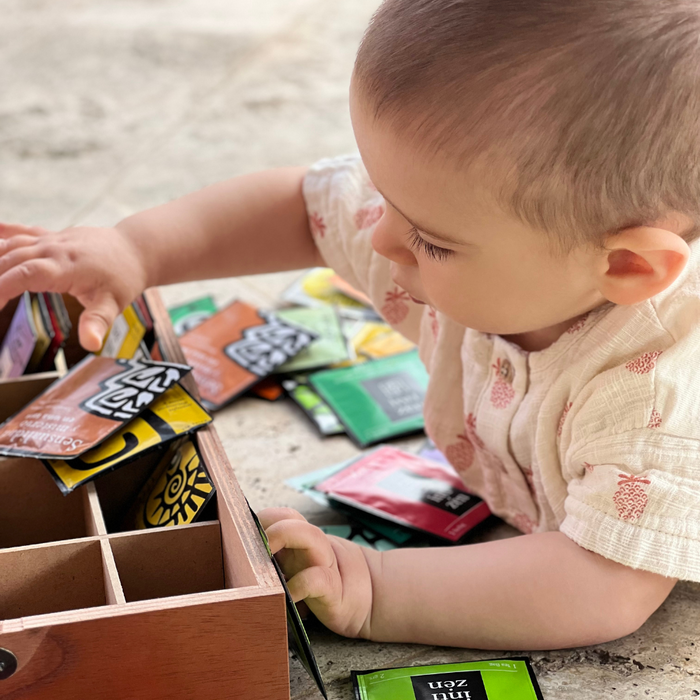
{"x": 109, "y": 107}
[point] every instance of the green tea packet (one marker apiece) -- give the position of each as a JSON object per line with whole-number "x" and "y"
{"x": 313, "y": 406}
{"x": 188, "y": 316}
{"x": 330, "y": 345}
{"x": 495, "y": 679}
{"x": 376, "y": 400}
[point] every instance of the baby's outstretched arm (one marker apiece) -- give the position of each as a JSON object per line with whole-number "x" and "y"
{"x": 250, "y": 224}
{"x": 539, "y": 591}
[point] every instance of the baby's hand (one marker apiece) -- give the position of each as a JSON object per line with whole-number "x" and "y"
{"x": 330, "y": 574}
{"x": 100, "y": 267}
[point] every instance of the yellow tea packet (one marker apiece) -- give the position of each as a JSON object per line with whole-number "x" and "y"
{"x": 173, "y": 414}
{"x": 177, "y": 491}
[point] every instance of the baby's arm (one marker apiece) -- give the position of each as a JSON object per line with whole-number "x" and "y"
{"x": 250, "y": 224}
{"x": 538, "y": 591}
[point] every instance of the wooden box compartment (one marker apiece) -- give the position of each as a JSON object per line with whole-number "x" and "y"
{"x": 91, "y": 611}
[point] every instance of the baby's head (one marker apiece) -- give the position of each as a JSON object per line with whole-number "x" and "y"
{"x": 538, "y": 157}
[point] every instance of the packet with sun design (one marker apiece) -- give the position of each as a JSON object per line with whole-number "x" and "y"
{"x": 176, "y": 493}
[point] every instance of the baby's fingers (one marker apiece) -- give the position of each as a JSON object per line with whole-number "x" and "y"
{"x": 8, "y": 230}
{"x": 29, "y": 275}
{"x": 96, "y": 320}
{"x": 318, "y": 582}
{"x": 269, "y": 516}
{"x": 308, "y": 543}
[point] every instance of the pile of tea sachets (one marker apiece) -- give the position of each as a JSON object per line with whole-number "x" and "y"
{"x": 38, "y": 329}
{"x": 112, "y": 409}
{"x": 392, "y": 498}
{"x": 330, "y": 353}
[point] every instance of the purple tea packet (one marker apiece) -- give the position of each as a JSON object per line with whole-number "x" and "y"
{"x": 19, "y": 342}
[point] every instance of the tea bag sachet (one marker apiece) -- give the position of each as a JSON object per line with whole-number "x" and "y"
{"x": 83, "y": 408}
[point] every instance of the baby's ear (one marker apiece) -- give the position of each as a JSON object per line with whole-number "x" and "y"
{"x": 639, "y": 263}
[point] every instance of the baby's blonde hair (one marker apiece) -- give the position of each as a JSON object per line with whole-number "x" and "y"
{"x": 583, "y": 114}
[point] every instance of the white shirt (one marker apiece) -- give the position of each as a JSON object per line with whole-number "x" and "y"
{"x": 597, "y": 436}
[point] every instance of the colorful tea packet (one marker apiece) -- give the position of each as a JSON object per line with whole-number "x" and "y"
{"x": 376, "y": 340}
{"x": 173, "y": 415}
{"x": 376, "y": 400}
{"x": 346, "y": 288}
{"x": 236, "y": 348}
{"x": 44, "y": 332}
{"x": 330, "y": 345}
{"x": 299, "y": 643}
{"x": 83, "y": 408}
{"x": 315, "y": 289}
{"x": 357, "y": 533}
{"x": 176, "y": 493}
{"x": 269, "y": 389}
{"x": 126, "y": 335}
{"x": 313, "y": 406}
{"x": 19, "y": 341}
{"x": 141, "y": 306}
{"x": 494, "y": 679}
{"x": 428, "y": 451}
{"x": 60, "y": 325}
{"x": 382, "y": 528}
{"x": 188, "y": 316}
{"x": 410, "y": 491}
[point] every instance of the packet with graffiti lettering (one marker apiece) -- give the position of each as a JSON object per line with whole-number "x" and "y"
{"x": 83, "y": 408}
{"x": 407, "y": 490}
{"x": 494, "y": 679}
{"x": 236, "y": 348}
{"x": 174, "y": 414}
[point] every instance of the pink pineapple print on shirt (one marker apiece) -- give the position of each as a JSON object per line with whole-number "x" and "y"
{"x": 502, "y": 392}
{"x": 317, "y": 225}
{"x": 630, "y": 499}
{"x": 368, "y": 216}
{"x": 654, "y": 419}
{"x": 644, "y": 363}
{"x": 395, "y": 308}
{"x": 461, "y": 454}
{"x": 577, "y": 325}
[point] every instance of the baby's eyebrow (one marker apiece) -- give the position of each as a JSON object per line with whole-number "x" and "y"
{"x": 423, "y": 229}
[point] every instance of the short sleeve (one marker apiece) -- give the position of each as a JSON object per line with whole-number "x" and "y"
{"x": 343, "y": 209}
{"x": 637, "y": 501}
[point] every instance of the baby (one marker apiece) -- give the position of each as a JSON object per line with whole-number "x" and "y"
{"x": 524, "y": 209}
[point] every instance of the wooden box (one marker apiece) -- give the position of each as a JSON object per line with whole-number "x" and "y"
{"x": 88, "y": 612}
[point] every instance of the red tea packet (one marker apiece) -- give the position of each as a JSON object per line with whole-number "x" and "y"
{"x": 409, "y": 490}
{"x": 236, "y": 348}
{"x": 94, "y": 400}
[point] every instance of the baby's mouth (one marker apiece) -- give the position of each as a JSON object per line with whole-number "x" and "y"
{"x": 416, "y": 301}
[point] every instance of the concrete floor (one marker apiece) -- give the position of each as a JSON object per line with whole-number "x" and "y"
{"x": 110, "y": 107}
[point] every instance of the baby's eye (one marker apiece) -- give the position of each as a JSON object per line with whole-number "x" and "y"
{"x": 418, "y": 243}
